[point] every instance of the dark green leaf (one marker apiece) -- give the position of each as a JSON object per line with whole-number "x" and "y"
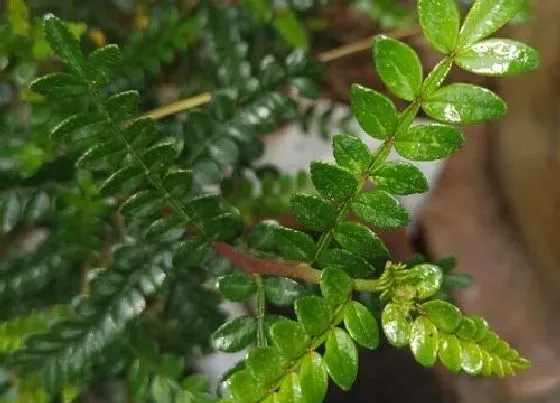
{"x": 282, "y": 291}
{"x": 306, "y": 87}
{"x": 429, "y": 142}
{"x": 140, "y": 131}
{"x": 52, "y": 377}
{"x": 242, "y": 387}
{"x": 471, "y": 358}
{"x": 237, "y": 287}
{"x": 224, "y": 150}
{"x": 104, "y": 62}
{"x": 360, "y": 240}
{"x": 162, "y": 153}
{"x": 165, "y": 230}
{"x": 313, "y": 212}
{"x": 59, "y": 85}
{"x": 225, "y": 226}
{"x": 351, "y": 153}
{"x": 223, "y": 105}
{"x": 440, "y": 21}
{"x": 178, "y": 181}
{"x": 294, "y": 245}
{"x": 444, "y": 315}
{"x": 375, "y": 113}
{"x": 361, "y": 325}
{"x": 398, "y": 66}
{"x": 265, "y": 364}
{"x": 122, "y": 105}
{"x": 347, "y": 261}
{"x": 424, "y": 341}
{"x": 289, "y": 338}
{"x": 336, "y": 286}
{"x": 400, "y": 178}
{"x": 314, "y": 313}
{"x": 381, "y": 210}
{"x": 341, "y": 358}
{"x": 486, "y": 17}
{"x": 235, "y": 335}
{"x": 464, "y": 104}
{"x": 97, "y": 154}
{"x": 313, "y": 378}
{"x": 396, "y": 325}
{"x": 459, "y": 281}
{"x": 142, "y": 203}
{"x": 63, "y": 43}
{"x": 449, "y": 351}
{"x": 333, "y": 182}
{"x": 498, "y": 57}
{"x": 121, "y": 180}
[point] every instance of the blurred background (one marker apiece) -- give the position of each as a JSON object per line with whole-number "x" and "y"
{"x": 494, "y": 206}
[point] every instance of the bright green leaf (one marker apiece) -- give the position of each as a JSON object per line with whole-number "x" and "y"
{"x": 471, "y": 358}
{"x": 341, "y": 358}
{"x": 290, "y": 28}
{"x": 265, "y": 364}
{"x": 314, "y": 313}
{"x": 361, "y": 325}
{"x": 481, "y": 328}
{"x": 235, "y": 335}
{"x": 380, "y": 209}
{"x": 360, "y": 240}
{"x": 313, "y": 212}
{"x": 282, "y": 291}
{"x": 429, "y": 142}
{"x": 313, "y": 378}
{"x": 351, "y": 153}
{"x": 290, "y": 389}
{"x": 440, "y": 21}
{"x": 396, "y": 325}
{"x": 400, "y": 178}
{"x": 466, "y": 329}
{"x": 398, "y": 66}
{"x": 427, "y": 279}
{"x": 289, "y": 338}
{"x": 162, "y": 390}
{"x": 63, "y": 43}
{"x": 59, "y": 85}
{"x": 424, "y": 341}
{"x": 498, "y": 57}
{"x": 444, "y": 315}
{"x": 333, "y": 182}
{"x": 19, "y": 17}
{"x": 336, "y": 286}
{"x": 449, "y": 352}
{"x": 237, "y": 287}
{"x": 375, "y": 113}
{"x": 242, "y": 387}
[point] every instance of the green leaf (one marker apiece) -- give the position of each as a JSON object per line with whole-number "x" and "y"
{"x": 375, "y": 113}
{"x": 265, "y": 364}
{"x": 464, "y": 104}
{"x": 122, "y": 105}
{"x": 294, "y": 245}
{"x": 178, "y": 181}
{"x": 290, "y": 28}
{"x": 498, "y": 57}
{"x": 471, "y": 358}
{"x": 314, "y": 313}
{"x": 440, "y": 21}
{"x": 282, "y": 291}
{"x": 140, "y": 131}
{"x": 447, "y": 317}
{"x": 336, "y": 286}
{"x": 466, "y": 329}
{"x": 313, "y": 212}
{"x": 64, "y": 44}
{"x": 449, "y": 352}
{"x": 436, "y": 77}
{"x": 59, "y": 85}
{"x": 427, "y": 278}
{"x": 351, "y": 153}
{"x": 306, "y": 87}
{"x": 429, "y": 142}
{"x": 400, "y": 178}
{"x": 398, "y": 66}
{"x": 341, "y": 358}
{"x": 361, "y": 325}
{"x": 121, "y": 180}
{"x": 165, "y": 230}
{"x": 237, "y": 287}
{"x": 396, "y": 325}
{"x": 104, "y": 61}
{"x": 162, "y": 390}
{"x": 481, "y": 328}
{"x": 313, "y": 378}
{"x": 424, "y": 341}
{"x": 145, "y": 202}
{"x": 486, "y": 17}
{"x": 242, "y": 387}
{"x": 162, "y": 153}
{"x": 333, "y": 182}
{"x": 360, "y": 240}
{"x": 290, "y": 389}
{"x": 235, "y": 335}
{"x": 19, "y": 17}
{"x": 289, "y": 338}
{"x": 380, "y": 209}
{"x": 347, "y": 261}
{"x": 52, "y": 377}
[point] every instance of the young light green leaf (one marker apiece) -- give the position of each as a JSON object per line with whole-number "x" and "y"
{"x": 351, "y": 153}
{"x": 437, "y": 76}
{"x": 333, "y": 182}
{"x": 424, "y": 341}
{"x": 486, "y": 17}
{"x": 481, "y": 328}
{"x": 341, "y": 358}
{"x": 466, "y": 329}
{"x": 282, "y": 291}
{"x": 440, "y": 21}
{"x": 336, "y": 286}
{"x": 361, "y": 325}
{"x": 59, "y": 85}
{"x": 396, "y": 325}
{"x": 498, "y": 57}
{"x": 265, "y": 364}
{"x": 464, "y": 104}
{"x": 290, "y": 28}
{"x": 235, "y": 335}
{"x": 471, "y": 358}
{"x": 314, "y": 213}
{"x": 449, "y": 352}
{"x": 242, "y": 387}
{"x": 313, "y": 378}
{"x": 447, "y": 317}
{"x": 289, "y": 338}
{"x": 381, "y": 210}
{"x": 64, "y": 44}
{"x": 360, "y": 240}
{"x": 237, "y": 287}
{"x": 290, "y": 389}
{"x": 375, "y": 113}
{"x": 314, "y": 313}
{"x": 398, "y": 66}
{"x": 19, "y": 17}
{"x": 400, "y": 178}
{"x": 427, "y": 278}
{"x": 294, "y": 245}
{"x": 429, "y": 142}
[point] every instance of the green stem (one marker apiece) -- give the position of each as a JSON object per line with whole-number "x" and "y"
{"x": 261, "y": 310}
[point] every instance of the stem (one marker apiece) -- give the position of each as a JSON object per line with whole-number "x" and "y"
{"x": 261, "y": 309}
